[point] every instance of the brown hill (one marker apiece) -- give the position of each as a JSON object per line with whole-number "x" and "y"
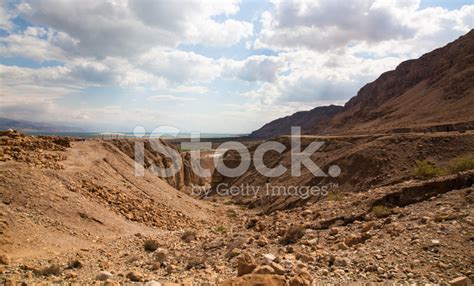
{"x": 314, "y": 119}
{"x": 434, "y": 92}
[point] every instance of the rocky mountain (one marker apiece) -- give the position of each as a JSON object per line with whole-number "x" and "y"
{"x": 433, "y": 92}
{"x": 308, "y": 120}
{"x": 26, "y": 126}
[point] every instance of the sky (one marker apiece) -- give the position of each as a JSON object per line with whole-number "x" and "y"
{"x": 210, "y": 66}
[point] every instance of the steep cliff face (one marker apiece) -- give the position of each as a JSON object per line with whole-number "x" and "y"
{"x": 436, "y": 89}
{"x": 315, "y": 119}
{"x": 432, "y": 93}
{"x": 184, "y": 177}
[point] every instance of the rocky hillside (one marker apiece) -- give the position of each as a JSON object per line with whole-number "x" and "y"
{"x": 73, "y": 212}
{"x": 432, "y": 93}
{"x": 365, "y": 162}
{"x": 314, "y": 119}
{"x": 183, "y": 178}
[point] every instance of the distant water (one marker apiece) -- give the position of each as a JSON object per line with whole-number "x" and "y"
{"x": 128, "y": 134}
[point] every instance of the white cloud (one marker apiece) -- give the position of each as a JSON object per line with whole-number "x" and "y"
{"x": 260, "y": 68}
{"x": 324, "y": 25}
{"x": 126, "y": 28}
{"x": 5, "y": 16}
{"x": 179, "y": 66}
{"x": 169, "y": 97}
{"x": 190, "y": 89}
{"x": 322, "y": 53}
{"x": 333, "y": 77}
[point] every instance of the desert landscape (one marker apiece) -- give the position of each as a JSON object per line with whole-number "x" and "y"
{"x": 401, "y": 211}
{"x": 336, "y": 142}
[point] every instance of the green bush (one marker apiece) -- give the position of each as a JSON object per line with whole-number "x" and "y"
{"x": 461, "y": 164}
{"x": 335, "y": 196}
{"x": 188, "y": 235}
{"x": 381, "y": 211}
{"x": 151, "y": 245}
{"x": 425, "y": 169}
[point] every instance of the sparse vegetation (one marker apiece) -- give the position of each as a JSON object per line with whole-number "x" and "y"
{"x": 232, "y": 214}
{"x": 461, "y": 164}
{"x": 188, "y": 236}
{"x": 151, "y": 245}
{"x": 381, "y": 211}
{"x": 335, "y": 196}
{"x": 425, "y": 170}
{"x": 74, "y": 264}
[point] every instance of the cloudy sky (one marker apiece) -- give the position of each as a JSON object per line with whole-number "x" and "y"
{"x": 212, "y": 66}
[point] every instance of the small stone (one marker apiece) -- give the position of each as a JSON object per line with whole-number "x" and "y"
{"x": 459, "y": 281}
{"x": 342, "y": 246}
{"x": 299, "y": 281}
{"x": 233, "y": 253}
{"x": 260, "y": 226}
{"x": 5, "y": 259}
{"x": 103, "y": 275}
{"x": 10, "y": 282}
{"x": 160, "y": 255}
{"x": 313, "y": 241}
{"x": 307, "y": 212}
{"x": 155, "y": 266}
{"x": 367, "y": 226}
{"x": 354, "y": 239}
{"x": 134, "y": 276}
{"x": 170, "y": 269}
{"x": 111, "y": 283}
{"x": 71, "y": 275}
{"x": 262, "y": 241}
{"x": 263, "y": 269}
{"x": 333, "y": 231}
{"x": 269, "y": 258}
{"x": 342, "y": 262}
{"x": 214, "y": 244}
{"x": 434, "y": 242}
{"x": 245, "y": 264}
{"x": 280, "y": 270}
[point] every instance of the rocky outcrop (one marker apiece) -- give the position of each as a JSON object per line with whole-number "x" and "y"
{"x": 184, "y": 177}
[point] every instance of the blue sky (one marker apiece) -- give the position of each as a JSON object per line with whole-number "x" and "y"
{"x": 208, "y": 66}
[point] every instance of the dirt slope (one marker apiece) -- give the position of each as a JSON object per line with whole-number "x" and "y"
{"x": 93, "y": 194}
{"x": 365, "y": 162}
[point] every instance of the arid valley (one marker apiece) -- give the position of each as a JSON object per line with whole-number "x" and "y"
{"x": 385, "y": 193}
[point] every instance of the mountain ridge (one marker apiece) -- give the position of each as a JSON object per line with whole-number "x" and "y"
{"x": 28, "y": 126}
{"x": 430, "y": 93}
